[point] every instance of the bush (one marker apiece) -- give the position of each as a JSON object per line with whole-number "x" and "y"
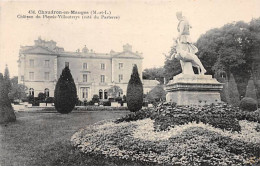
{"x": 134, "y": 95}
{"x": 108, "y": 103}
{"x": 41, "y": 97}
{"x": 30, "y": 99}
{"x": 95, "y": 98}
{"x": 118, "y": 99}
{"x": 49, "y": 100}
{"x": 248, "y": 104}
{"x": 65, "y": 93}
{"x": 168, "y": 115}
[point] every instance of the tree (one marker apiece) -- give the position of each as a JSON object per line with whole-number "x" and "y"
{"x": 156, "y": 94}
{"x": 6, "y": 110}
{"x": 172, "y": 66}
{"x": 226, "y": 50}
{"x": 254, "y": 28}
{"x": 18, "y": 91}
{"x": 7, "y": 79}
{"x": 65, "y": 94}
{"x": 114, "y": 91}
{"x": 134, "y": 95}
{"x": 41, "y": 97}
{"x": 95, "y": 98}
{"x": 154, "y": 73}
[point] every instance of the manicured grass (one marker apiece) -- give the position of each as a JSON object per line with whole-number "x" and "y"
{"x": 44, "y": 139}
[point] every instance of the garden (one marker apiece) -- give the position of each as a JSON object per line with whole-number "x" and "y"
{"x": 177, "y": 135}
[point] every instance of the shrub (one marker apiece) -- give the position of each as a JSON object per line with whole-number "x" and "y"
{"x": 6, "y": 110}
{"x": 30, "y": 99}
{"x": 134, "y": 95}
{"x": 118, "y": 99}
{"x": 90, "y": 103}
{"x": 108, "y": 103}
{"x": 65, "y": 93}
{"x": 41, "y": 97}
{"x": 168, "y": 115}
{"x": 49, "y": 100}
{"x": 248, "y": 104}
{"x": 95, "y": 98}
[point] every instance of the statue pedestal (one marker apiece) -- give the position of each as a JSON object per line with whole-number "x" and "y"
{"x": 193, "y": 89}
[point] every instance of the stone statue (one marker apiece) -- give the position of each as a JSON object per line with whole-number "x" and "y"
{"x": 185, "y": 50}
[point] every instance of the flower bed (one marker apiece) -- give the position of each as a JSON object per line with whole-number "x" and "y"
{"x": 189, "y": 144}
{"x": 177, "y": 135}
{"x": 168, "y": 115}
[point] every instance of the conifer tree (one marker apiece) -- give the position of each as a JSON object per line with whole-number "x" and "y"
{"x": 65, "y": 94}
{"x": 6, "y": 109}
{"x": 134, "y": 95}
{"x": 7, "y": 79}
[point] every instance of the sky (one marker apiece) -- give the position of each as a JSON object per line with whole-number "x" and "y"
{"x": 148, "y": 25}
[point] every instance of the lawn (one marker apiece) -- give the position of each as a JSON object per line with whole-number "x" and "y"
{"x": 44, "y": 138}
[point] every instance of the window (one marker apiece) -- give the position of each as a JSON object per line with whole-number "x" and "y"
{"x": 22, "y": 78}
{"x": 105, "y": 94}
{"x": 47, "y": 92}
{"x": 85, "y": 78}
{"x": 31, "y": 75}
{"x": 102, "y": 80}
{"x": 46, "y": 63}
{"x": 84, "y": 93}
{"x": 85, "y": 66}
{"x": 31, "y": 63}
{"x": 100, "y": 94}
{"x": 46, "y": 76}
{"x": 120, "y": 78}
{"x": 67, "y": 64}
{"x": 31, "y": 92}
{"x": 102, "y": 66}
{"x": 120, "y": 65}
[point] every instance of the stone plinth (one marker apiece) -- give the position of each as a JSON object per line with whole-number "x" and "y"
{"x": 186, "y": 89}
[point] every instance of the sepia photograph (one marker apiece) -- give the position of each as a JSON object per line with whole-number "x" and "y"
{"x": 130, "y": 83}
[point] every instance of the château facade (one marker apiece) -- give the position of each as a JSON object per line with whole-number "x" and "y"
{"x": 40, "y": 66}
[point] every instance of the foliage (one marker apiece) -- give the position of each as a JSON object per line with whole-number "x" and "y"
{"x": 168, "y": 115}
{"x": 228, "y": 50}
{"x": 254, "y": 28}
{"x": 248, "y": 104}
{"x": 190, "y": 144}
{"x": 231, "y": 91}
{"x": 134, "y": 116}
{"x": 156, "y": 94}
{"x": 257, "y": 127}
{"x": 95, "y": 98}
{"x": 65, "y": 93}
{"x": 154, "y": 73}
{"x": 118, "y": 99}
{"x": 49, "y": 100}
{"x": 114, "y": 91}
{"x": 6, "y": 110}
{"x": 7, "y": 80}
{"x": 172, "y": 67}
{"x": 134, "y": 95}
{"x": 18, "y": 91}
{"x": 100, "y": 108}
{"x": 41, "y": 96}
